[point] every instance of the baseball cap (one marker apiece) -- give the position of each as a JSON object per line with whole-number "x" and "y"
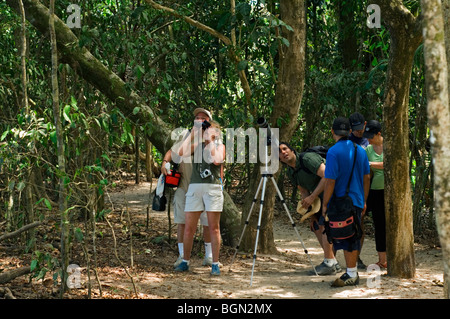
{"x": 341, "y": 126}
{"x": 202, "y": 110}
{"x": 372, "y": 128}
{"x": 357, "y": 121}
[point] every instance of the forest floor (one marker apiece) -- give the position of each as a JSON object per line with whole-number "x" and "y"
{"x": 285, "y": 275}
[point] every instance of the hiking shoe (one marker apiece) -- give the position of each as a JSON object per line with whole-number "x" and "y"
{"x": 183, "y": 266}
{"x": 361, "y": 265}
{"x": 324, "y": 270}
{"x": 207, "y": 261}
{"x": 346, "y": 280}
{"x": 179, "y": 260}
{"x": 215, "y": 270}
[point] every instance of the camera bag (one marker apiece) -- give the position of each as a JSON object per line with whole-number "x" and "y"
{"x": 173, "y": 179}
{"x": 342, "y": 221}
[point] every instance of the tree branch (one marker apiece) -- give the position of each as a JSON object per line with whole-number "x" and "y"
{"x": 192, "y": 22}
{"x": 10, "y": 275}
{"x": 97, "y": 74}
{"x": 227, "y": 41}
{"x": 399, "y": 19}
{"x": 19, "y": 231}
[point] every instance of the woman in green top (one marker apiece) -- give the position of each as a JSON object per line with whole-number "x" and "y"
{"x": 375, "y": 201}
{"x": 205, "y": 191}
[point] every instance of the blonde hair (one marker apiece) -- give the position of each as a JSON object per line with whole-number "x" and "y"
{"x": 217, "y": 131}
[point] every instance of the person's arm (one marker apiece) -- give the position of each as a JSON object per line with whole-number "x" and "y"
{"x": 327, "y": 193}
{"x": 188, "y": 146}
{"x": 217, "y": 153}
{"x": 304, "y": 193}
{"x": 166, "y": 159}
{"x": 366, "y": 182}
{"x": 378, "y": 165}
{"x": 309, "y": 199}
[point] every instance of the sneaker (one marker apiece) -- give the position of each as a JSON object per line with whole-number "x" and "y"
{"x": 207, "y": 261}
{"x": 179, "y": 260}
{"x": 183, "y": 266}
{"x": 361, "y": 265}
{"x": 215, "y": 270}
{"x": 338, "y": 267}
{"x": 324, "y": 270}
{"x": 346, "y": 280}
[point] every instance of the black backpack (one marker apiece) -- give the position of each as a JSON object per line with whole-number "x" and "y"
{"x": 320, "y": 149}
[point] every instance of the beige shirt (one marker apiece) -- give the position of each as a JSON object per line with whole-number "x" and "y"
{"x": 186, "y": 171}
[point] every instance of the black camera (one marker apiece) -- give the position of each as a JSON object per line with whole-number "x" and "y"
{"x": 205, "y": 125}
{"x": 262, "y": 123}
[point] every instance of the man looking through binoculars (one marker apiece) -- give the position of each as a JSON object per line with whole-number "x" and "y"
{"x": 185, "y": 168}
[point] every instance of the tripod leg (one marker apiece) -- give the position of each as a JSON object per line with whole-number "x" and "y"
{"x": 246, "y": 222}
{"x": 259, "y": 225}
{"x": 293, "y": 223}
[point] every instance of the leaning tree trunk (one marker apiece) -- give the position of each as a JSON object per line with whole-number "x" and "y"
{"x": 97, "y": 74}
{"x": 405, "y": 36}
{"x": 436, "y": 77}
{"x": 109, "y": 84}
{"x": 288, "y": 97}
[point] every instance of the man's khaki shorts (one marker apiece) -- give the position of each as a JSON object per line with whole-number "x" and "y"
{"x": 179, "y": 203}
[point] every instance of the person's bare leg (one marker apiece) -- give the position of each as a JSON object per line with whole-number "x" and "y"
{"x": 214, "y": 230}
{"x": 189, "y": 232}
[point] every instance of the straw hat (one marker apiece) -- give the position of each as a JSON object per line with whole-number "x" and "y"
{"x": 307, "y": 212}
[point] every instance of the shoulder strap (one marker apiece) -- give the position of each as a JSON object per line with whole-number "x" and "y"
{"x": 302, "y": 165}
{"x": 351, "y": 174}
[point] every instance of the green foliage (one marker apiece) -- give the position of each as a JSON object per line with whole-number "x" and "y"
{"x": 175, "y": 68}
{"x": 42, "y": 263}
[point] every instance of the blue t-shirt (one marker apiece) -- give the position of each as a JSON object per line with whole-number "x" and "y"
{"x": 339, "y": 165}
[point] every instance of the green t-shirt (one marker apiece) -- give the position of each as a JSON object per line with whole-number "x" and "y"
{"x": 378, "y": 174}
{"x": 300, "y": 177}
{"x": 197, "y": 168}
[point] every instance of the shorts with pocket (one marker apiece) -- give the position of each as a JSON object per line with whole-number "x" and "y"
{"x": 204, "y": 197}
{"x": 179, "y": 203}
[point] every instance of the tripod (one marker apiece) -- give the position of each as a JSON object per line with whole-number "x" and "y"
{"x": 263, "y": 182}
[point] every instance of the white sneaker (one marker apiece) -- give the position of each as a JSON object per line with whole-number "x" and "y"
{"x": 207, "y": 261}
{"x": 179, "y": 260}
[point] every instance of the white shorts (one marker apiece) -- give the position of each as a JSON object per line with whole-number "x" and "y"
{"x": 204, "y": 197}
{"x": 179, "y": 202}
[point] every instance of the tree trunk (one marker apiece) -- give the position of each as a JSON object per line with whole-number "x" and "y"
{"x": 107, "y": 82}
{"x": 60, "y": 152}
{"x": 288, "y": 97}
{"x": 436, "y": 77}
{"x": 446, "y": 8}
{"x": 94, "y": 72}
{"x": 23, "y": 54}
{"x": 405, "y": 36}
{"x": 348, "y": 43}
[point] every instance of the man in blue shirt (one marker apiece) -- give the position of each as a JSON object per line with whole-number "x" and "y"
{"x": 337, "y": 173}
{"x": 358, "y": 124}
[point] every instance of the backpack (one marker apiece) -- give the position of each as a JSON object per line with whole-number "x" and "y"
{"x": 320, "y": 149}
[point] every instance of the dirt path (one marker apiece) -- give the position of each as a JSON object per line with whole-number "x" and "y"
{"x": 285, "y": 275}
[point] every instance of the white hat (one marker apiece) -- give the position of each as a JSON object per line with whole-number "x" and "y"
{"x": 202, "y": 110}
{"x": 315, "y": 207}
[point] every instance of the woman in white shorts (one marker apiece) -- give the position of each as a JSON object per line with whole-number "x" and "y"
{"x": 205, "y": 190}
